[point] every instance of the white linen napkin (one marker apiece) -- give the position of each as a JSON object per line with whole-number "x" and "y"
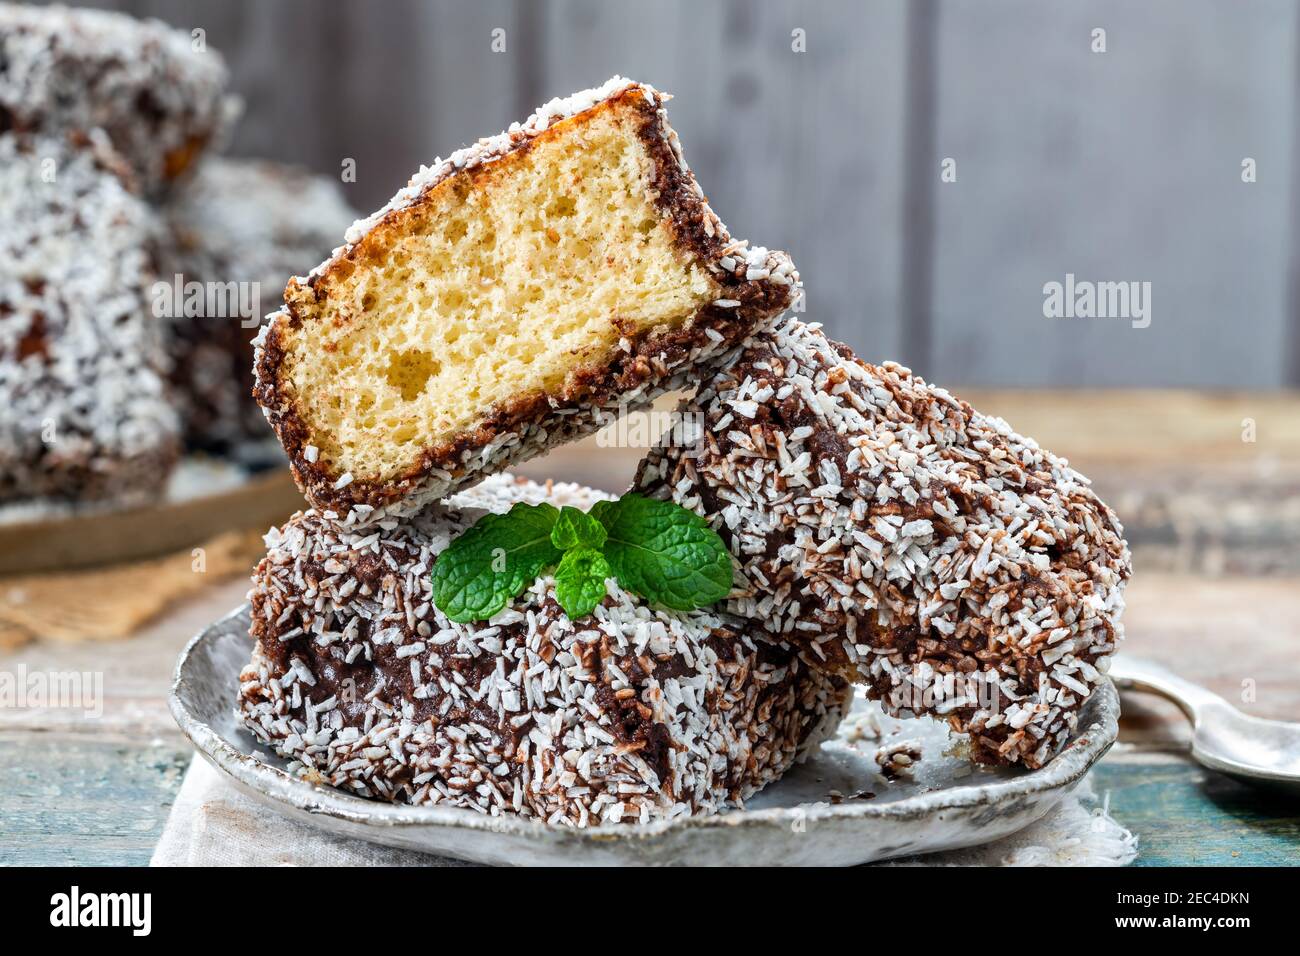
{"x": 212, "y": 824}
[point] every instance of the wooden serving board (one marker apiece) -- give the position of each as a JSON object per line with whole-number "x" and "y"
{"x": 81, "y": 541}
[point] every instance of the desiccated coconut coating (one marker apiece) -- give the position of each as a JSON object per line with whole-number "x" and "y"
{"x": 248, "y": 222}
{"x": 160, "y": 100}
{"x": 905, "y": 540}
{"x": 628, "y": 715}
{"x": 83, "y": 409}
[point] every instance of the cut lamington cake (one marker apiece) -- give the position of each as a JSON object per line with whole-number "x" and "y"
{"x": 629, "y": 715}
{"x": 904, "y": 540}
{"x": 510, "y": 298}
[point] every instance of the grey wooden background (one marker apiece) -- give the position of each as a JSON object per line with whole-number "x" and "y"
{"x": 1115, "y": 166}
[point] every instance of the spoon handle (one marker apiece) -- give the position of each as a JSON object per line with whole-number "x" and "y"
{"x": 1136, "y": 673}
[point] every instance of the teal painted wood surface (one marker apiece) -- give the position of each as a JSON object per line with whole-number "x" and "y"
{"x": 74, "y": 800}
{"x": 1185, "y": 815}
{"x": 82, "y": 801}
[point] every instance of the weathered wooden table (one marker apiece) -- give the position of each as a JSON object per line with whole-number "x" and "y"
{"x": 1208, "y": 488}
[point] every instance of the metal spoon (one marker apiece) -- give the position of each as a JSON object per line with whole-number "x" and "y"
{"x": 1224, "y": 739}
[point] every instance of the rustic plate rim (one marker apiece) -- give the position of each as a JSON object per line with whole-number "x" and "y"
{"x": 1089, "y": 744}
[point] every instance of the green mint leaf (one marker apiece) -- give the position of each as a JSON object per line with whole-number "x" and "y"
{"x": 580, "y": 581}
{"x": 577, "y": 529}
{"x": 664, "y": 552}
{"x": 492, "y": 562}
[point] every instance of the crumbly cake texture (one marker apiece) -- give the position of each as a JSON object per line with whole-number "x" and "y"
{"x": 254, "y": 223}
{"x": 83, "y": 409}
{"x": 512, "y": 297}
{"x": 628, "y": 715}
{"x": 904, "y": 540}
{"x": 161, "y": 101}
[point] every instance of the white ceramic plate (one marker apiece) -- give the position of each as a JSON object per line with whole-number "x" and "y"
{"x": 819, "y": 813}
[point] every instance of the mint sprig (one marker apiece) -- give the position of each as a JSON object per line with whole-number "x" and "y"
{"x": 656, "y": 549}
{"x": 577, "y": 529}
{"x": 491, "y": 563}
{"x": 580, "y": 581}
{"x": 664, "y": 552}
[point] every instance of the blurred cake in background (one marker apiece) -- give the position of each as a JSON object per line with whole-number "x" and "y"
{"x": 158, "y": 93}
{"x": 113, "y": 224}
{"x": 84, "y": 411}
{"x": 254, "y": 224}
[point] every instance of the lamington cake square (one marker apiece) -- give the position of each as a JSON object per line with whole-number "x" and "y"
{"x": 511, "y": 297}
{"x": 157, "y": 92}
{"x": 629, "y": 715}
{"x": 84, "y": 410}
{"x": 903, "y": 539}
